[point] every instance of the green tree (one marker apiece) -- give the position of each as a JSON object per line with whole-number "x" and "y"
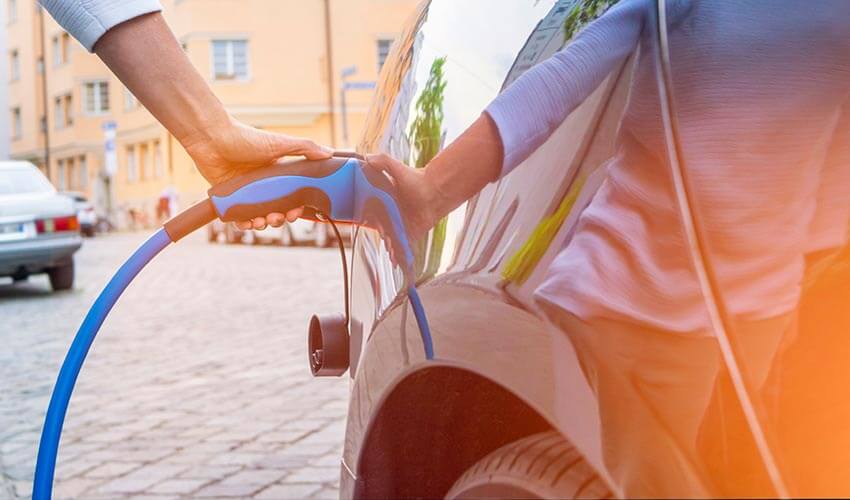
{"x": 426, "y": 132}
{"x": 584, "y": 12}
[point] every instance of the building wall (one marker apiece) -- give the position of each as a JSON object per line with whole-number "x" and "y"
{"x": 285, "y": 90}
{"x": 4, "y": 90}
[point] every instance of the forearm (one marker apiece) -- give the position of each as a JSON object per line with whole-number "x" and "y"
{"x": 468, "y": 164}
{"x": 536, "y": 104}
{"x": 146, "y": 57}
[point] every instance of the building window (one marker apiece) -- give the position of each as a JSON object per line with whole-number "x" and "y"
{"x": 130, "y": 101}
{"x": 71, "y": 179}
{"x": 60, "y": 175}
{"x": 230, "y": 59}
{"x": 55, "y": 51}
{"x": 132, "y": 166}
{"x": 17, "y": 126}
{"x": 384, "y": 46}
{"x": 66, "y": 47}
{"x": 12, "y": 5}
{"x": 59, "y": 112}
{"x": 14, "y": 65}
{"x": 96, "y": 97}
{"x": 83, "y": 173}
{"x": 67, "y": 102}
{"x": 145, "y": 162}
{"x": 158, "y": 165}
{"x": 60, "y": 47}
{"x": 63, "y": 111}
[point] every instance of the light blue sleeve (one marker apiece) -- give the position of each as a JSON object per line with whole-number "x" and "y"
{"x": 532, "y": 107}
{"x": 88, "y": 20}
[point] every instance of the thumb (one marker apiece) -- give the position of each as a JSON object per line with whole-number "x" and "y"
{"x": 284, "y": 145}
{"x": 385, "y": 163}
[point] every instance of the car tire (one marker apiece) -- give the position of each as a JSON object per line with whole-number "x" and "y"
{"x": 62, "y": 277}
{"x": 542, "y": 465}
{"x": 323, "y": 238}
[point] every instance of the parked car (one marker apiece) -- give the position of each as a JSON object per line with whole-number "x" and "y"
{"x": 218, "y": 229}
{"x": 505, "y": 409}
{"x": 300, "y": 232}
{"x": 86, "y": 215}
{"x": 39, "y": 231}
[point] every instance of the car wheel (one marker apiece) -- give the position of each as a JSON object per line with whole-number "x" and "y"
{"x": 542, "y": 465}
{"x": 62, "y": 278}
{"x": 323, "y": 239}
{"x": 286, "y": 238}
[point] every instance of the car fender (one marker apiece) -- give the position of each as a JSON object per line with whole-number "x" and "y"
{"x": 482, "y": 332}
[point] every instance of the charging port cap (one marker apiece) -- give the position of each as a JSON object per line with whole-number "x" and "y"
{"x": 328, "y": 345}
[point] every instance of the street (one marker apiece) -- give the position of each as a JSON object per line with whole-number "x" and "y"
{"x": 196, "y": 386}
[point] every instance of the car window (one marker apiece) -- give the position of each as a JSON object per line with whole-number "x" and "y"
{"x": 449, "y": 65}
{"x": 24, "y": 180}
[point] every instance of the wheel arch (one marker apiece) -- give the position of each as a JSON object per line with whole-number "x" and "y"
{"x": 436, "y": 423}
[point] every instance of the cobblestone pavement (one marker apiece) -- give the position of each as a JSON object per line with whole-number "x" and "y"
{"x": 197, "y": 385}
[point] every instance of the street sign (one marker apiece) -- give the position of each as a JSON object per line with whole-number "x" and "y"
{"x": 110, "y": 159}
{"x": 358, "y": 85}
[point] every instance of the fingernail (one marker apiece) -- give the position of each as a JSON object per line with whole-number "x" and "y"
{"x": 327, "y": 150}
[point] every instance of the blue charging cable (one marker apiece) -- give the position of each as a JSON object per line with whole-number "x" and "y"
{"x": 49, "y": 446}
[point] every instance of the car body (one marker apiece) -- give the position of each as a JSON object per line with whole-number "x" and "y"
{"x": 86, "y": 215}
{"x": 39, "y": 232}
{"x": 416, "y": 427}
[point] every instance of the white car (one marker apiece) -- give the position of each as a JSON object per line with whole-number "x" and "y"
{"x": 300, "y": 232}
{"x": 39, "y": 231}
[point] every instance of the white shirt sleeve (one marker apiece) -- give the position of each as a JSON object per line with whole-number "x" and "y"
{"x": 88, "y": 20}
{"x": 533, "y": 106}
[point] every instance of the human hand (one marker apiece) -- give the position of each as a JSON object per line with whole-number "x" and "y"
{"x": 418, "y": 197}
{"x": 235, "y": 148}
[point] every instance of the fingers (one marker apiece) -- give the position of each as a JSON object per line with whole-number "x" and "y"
{"x": 294, "y": 214}
{"x": 313, "y": 151}
{"x": 275, "y": 219}
{"x": 258, "y": 223}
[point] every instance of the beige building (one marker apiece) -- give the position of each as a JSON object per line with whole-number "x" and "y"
{"x": 275, "y": 64}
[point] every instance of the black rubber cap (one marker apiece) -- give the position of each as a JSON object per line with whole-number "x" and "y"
{"x": 328, "y": 345}
{"x": 195, "y": 217}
